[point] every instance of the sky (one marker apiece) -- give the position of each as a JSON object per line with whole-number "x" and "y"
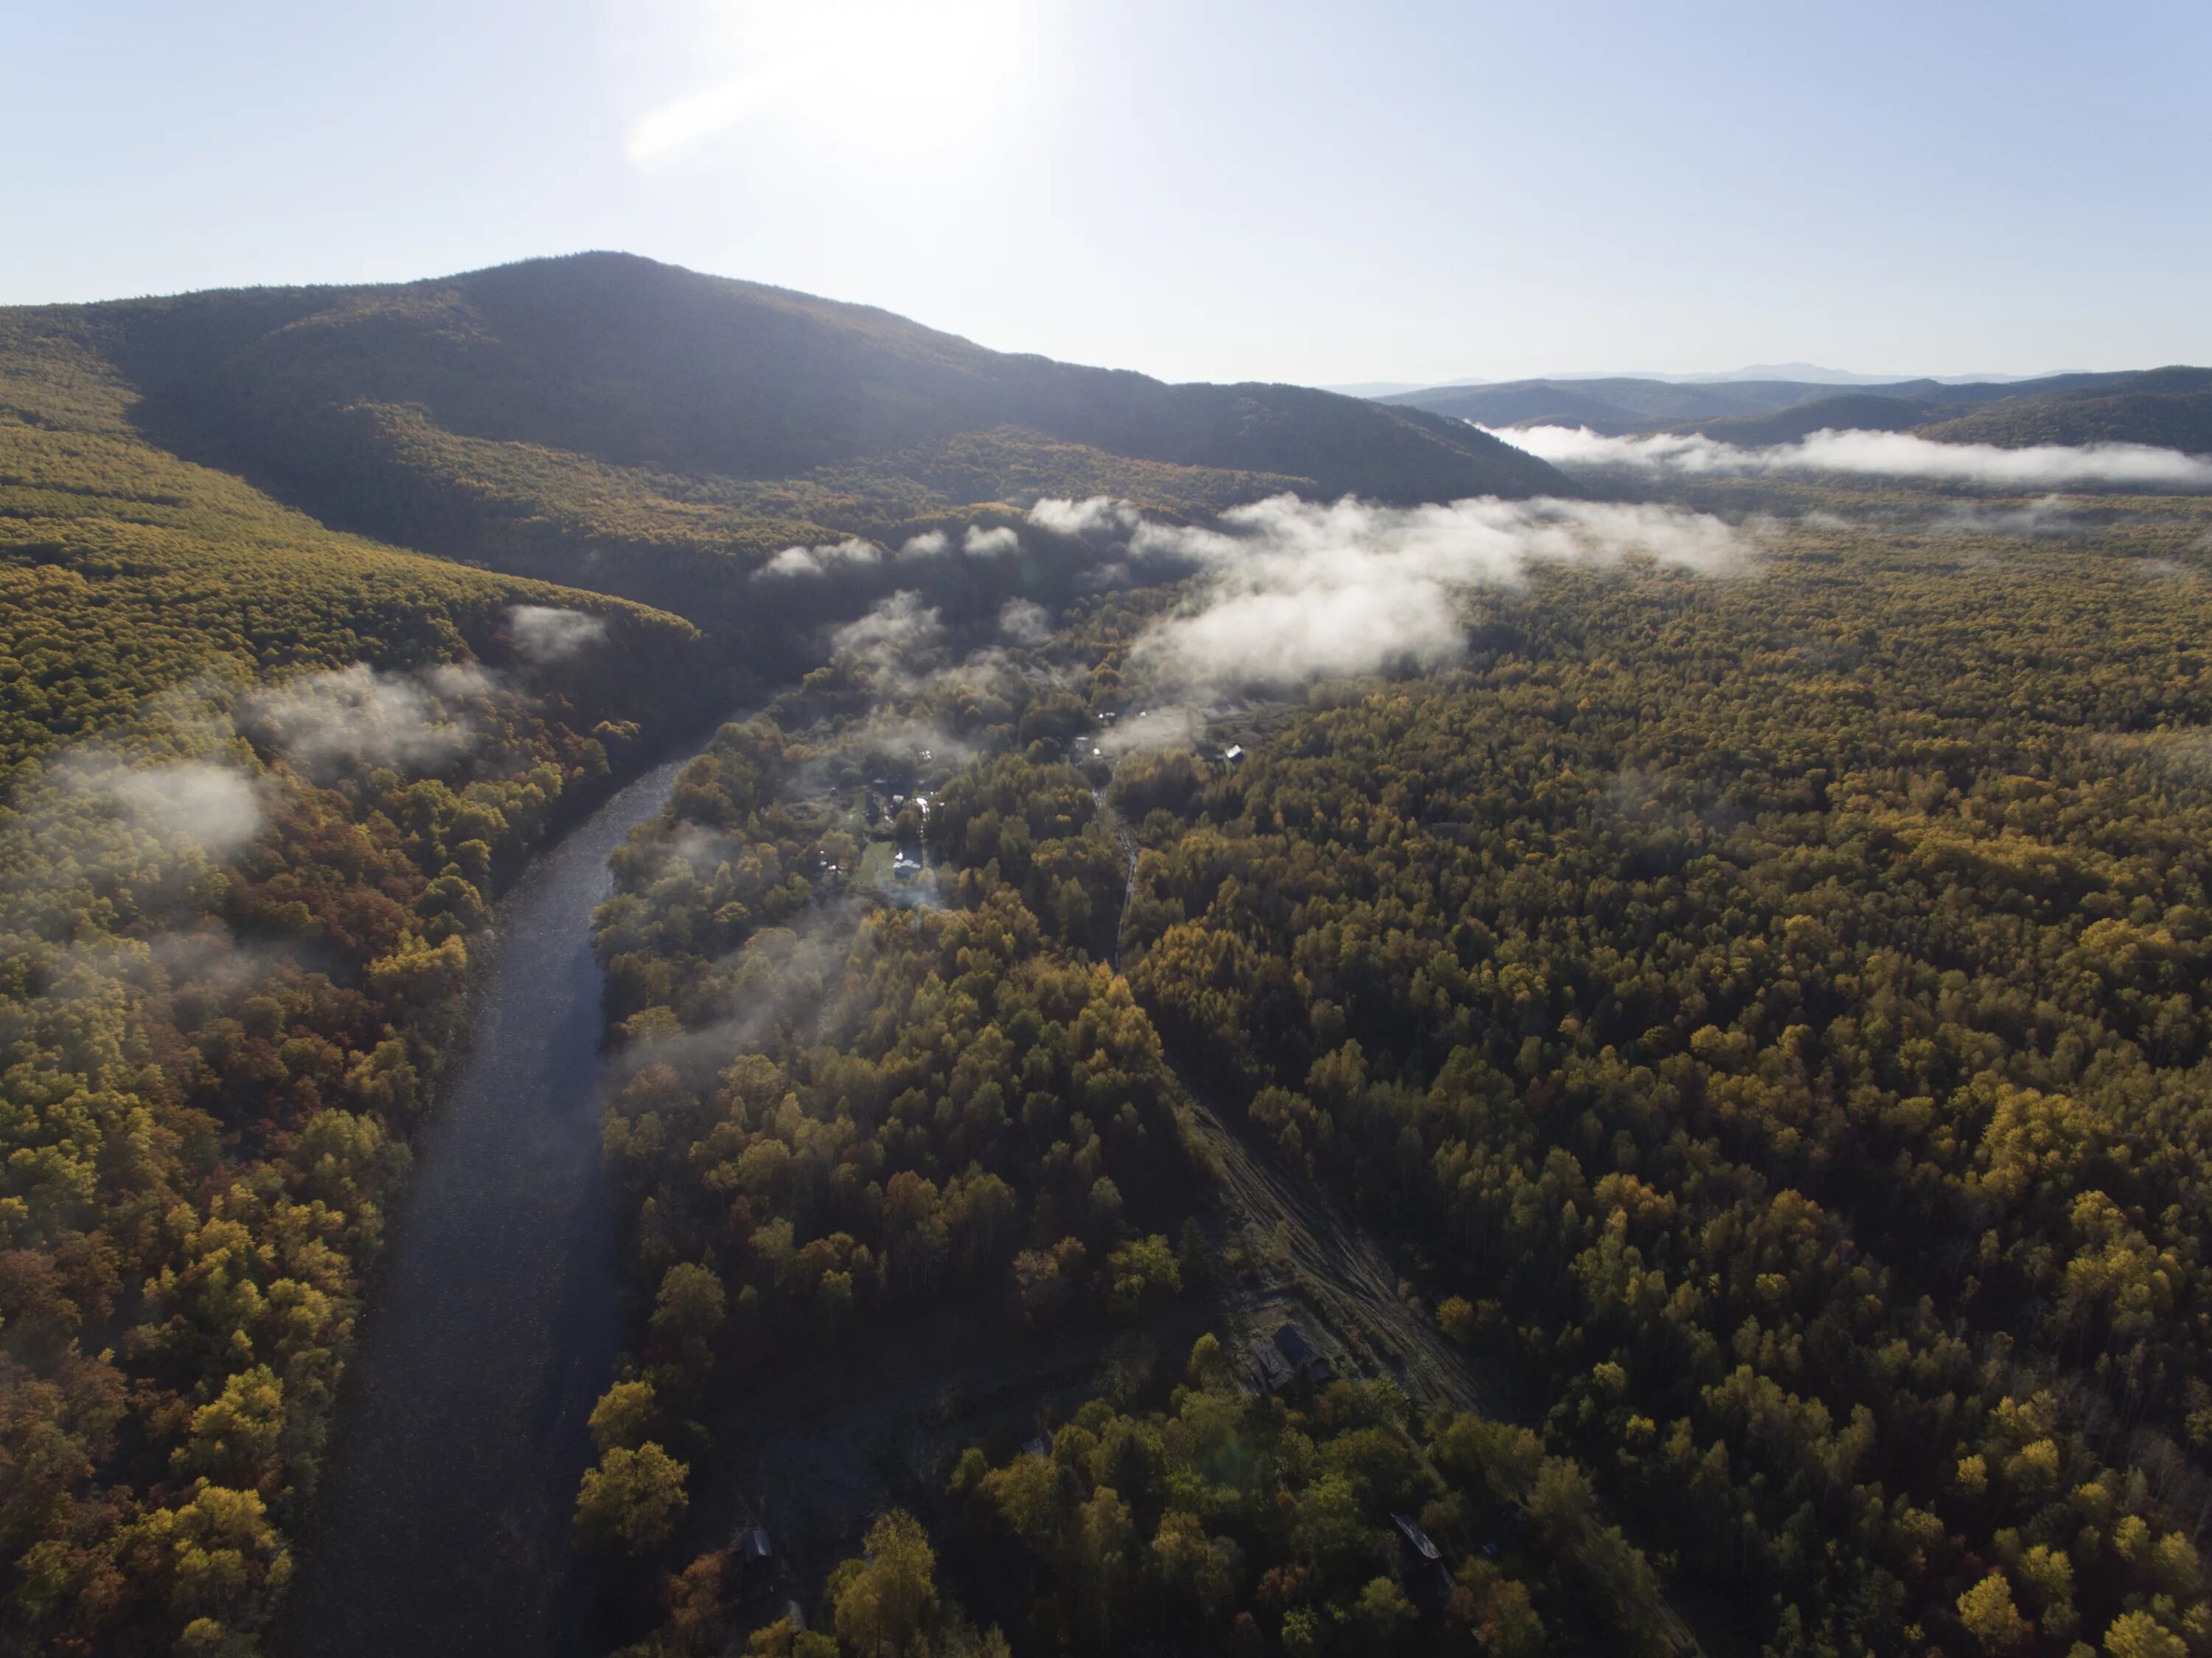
{"x": 1398, "y": 190}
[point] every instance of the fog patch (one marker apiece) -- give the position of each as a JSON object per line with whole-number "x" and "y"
{"x": 1099, "y": 515}
{"x": 203, "y": 956}
{"x": 347, "y": 718}
{"x": 778, "y": 975}
{"x": 900, "y": 640}
{"x": 211, "y": 808}
{"x": 2044, "y": 517}
{"x": 1024, "y": 622}
{"x": 211, "y": 958}
{"x": 1291, "y": 590}
{"x": 793, "y": 562}
{"x": 1173, "y": 725}
{"x": 694, "y": 848}
{"x": 543, "y": 634}
{"x": 996, "y": 543}
{"x": 1890, "y": 454}
{"x": 2186, "y": 753}
{"x": 911, "y": 744}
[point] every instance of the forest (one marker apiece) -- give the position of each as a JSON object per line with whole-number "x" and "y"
{"x": 960, "y": 1107}
{"x": 630, "y": 427}
{"x": 1222, "y": 1056}
{"x": 264, "y": 781}
{"x": 1759, "y": 1014}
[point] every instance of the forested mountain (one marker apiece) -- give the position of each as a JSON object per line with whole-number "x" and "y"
{"x": 1606, "y": 404}
{"x": 1864, "y": 411}
{"x": 1678, "y": 1023}
{"x": 641, "y": 429}
{"x": 127, "y": 572}
{"x": 2169, "y": 408}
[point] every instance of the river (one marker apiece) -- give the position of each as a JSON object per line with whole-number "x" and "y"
{"x": 444, "y": 1529}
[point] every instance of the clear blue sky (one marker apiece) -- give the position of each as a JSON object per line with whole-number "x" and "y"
{"x": 1250, "y": 189}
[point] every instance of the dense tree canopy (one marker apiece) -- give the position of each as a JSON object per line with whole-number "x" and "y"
{"x": 1766, "y": 1011}
{"x": 263, "y": 781}
{"x": 1777, "y": 1007}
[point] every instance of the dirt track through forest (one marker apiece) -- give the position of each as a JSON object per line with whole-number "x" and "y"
{"x": 1338, "y": 1268}
{"x": 1334, "y": 1265}
{"x": 1333, "y": 1262}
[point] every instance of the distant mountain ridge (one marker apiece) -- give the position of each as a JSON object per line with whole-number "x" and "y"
{"x": 2169, "y": 408}
{"x": 1803, "y": 373}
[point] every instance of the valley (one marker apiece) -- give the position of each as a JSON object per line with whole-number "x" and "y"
{"x": 462, "y": 1431}
{"x": 1284, "y": 1024}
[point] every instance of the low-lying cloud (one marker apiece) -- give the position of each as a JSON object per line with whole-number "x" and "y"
{"x": 998, "y": 543}
{"x": 1892, "y": 454}
{"x": 1172, "y": 725}
{"x": 212, "y": 809}
{"x": 1294, "y": 590}
{"x": 1024, "y": 622}
{"x": 331, "y": 723}
{"x": 824, "y": 559}
{"x": 900, "y": 639}
{"x": 976, "y": 541}
{"x": 208, "y": 956}
{"x": 2045, "y": 516}
{"x": 1100, "y": 514}
{"x": 545, "y": 634}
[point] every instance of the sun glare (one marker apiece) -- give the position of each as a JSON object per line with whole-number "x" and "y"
{"x": 876, "y": 83}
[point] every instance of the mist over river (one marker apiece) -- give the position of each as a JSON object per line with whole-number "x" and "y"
{"x": 444, "y": 1527}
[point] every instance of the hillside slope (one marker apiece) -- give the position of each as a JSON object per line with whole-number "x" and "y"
{"x": 2171, "y": 408}
{"x": 260, "y": 781}
{"x": 2168, "y": 408}
{"x": 1850, "y": 412}
{"x": 1602, "y": 404}
{"x": 648, "y": 430}
{"x": 126, "y": 571}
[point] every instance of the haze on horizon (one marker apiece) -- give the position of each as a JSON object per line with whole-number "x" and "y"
{"x": 1414, "y": 192}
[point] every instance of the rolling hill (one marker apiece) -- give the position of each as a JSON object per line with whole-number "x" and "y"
{"x": 1607, "y": 406}
{"x": 650, "y": 432}
{"x": 126, "y": 571}
{"x": 2169, "y": 408}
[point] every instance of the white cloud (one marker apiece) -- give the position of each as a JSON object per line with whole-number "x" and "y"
{"x": 545, "y": 634}
{"x": 1171, "y": 725}
{"x": 1892, "y": 454}
{"x": 211, "y": 957}
{"x": 901, "y": 638}
{"x": 1293, "y": 590}
{"x": 1023, "y": 622}
{"x": 212, "y": 807}
{"x": 820, "y": 561}
{"x": 327, "y": 724}
{"x": 1100, "y": 515}
{"x": 977, "y": 541}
